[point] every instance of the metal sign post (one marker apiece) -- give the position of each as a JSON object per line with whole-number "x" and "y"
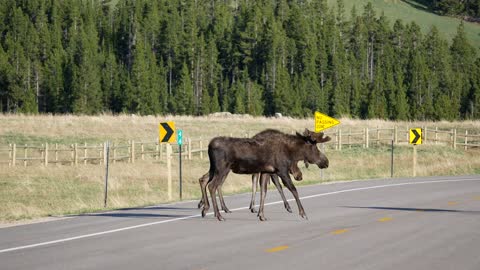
{"x": 180, "y": 142}
{"x": 107, "y": 153}
{"x": 391, "y": 163}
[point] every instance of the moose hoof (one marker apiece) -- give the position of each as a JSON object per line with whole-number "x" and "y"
{"x": 253, "y": 210}
{"x": 288, "y": 209}
{"x": 262, "y": 218}
{"x": 200, "y": 204}
{"x": 220, "y": 218}
{"x": 226, "y": 210}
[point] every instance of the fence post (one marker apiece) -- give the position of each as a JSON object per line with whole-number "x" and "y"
{"x": 336, "y": 139}
{"x": 85, "y": 154}
{"x": 424, "y": 134}
{"x": 466, "y": 139}
{"x": 157, "y": 149}
{"x": 436, "y": 135}
{"x": 366, "y": 138}
{"x": 349, "y": 138}
{"x": 25, "y": 155}
{"x": 104, "y": 153}
{"x": 169, "y": 170}
{"x": 72, "y": 155}
{"x": 395, "y": 134}
{"x": 340, "y": 139}
{"x": 114, "y": 152}
{"x": 14, "y": 154}
{"x": 189, "y": 148}
{"x": 378, "y": 135}
{"x": 454, "y": 139}
{"x": 56, "y": 154}
{"x": 46, "y": 154}
{"x": 132, "y": 152}
{"x": 143, "y": 151}
{"x": 75, "y": 158}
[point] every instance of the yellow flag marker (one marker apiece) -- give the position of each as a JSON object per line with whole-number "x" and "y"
{"x": 323, "y": 121}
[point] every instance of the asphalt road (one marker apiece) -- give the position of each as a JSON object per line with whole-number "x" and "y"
{"x": 422, "y": 223}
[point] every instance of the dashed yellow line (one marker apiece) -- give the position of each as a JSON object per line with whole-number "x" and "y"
{"x": 385, "y": 219}
{"x": 452, "y": 203}
{"x": 276, "y": 249}
{"x": 341, "y": 231}
{"x": 477, "y": 198}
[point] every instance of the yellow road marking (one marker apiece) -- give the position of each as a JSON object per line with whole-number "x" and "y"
{"x": 385, "y": 219}
{"x": 452, "y": 203}
{"x": 276, "y": 249}
{"x": 477, "y": 198}
{"x": 340, "y": 231}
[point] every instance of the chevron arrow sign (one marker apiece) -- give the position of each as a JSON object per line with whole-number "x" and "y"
{"x": 415, "y": 136}
{"x": 166, "y": 132}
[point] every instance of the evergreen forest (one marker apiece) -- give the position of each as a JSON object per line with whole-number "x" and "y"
{"x": 195, "y": 57}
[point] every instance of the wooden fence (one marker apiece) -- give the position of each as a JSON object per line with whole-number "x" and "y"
{"x": 75, "y": 154}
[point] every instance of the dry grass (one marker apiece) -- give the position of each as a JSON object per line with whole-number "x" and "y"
{"x": 38, "y": 191}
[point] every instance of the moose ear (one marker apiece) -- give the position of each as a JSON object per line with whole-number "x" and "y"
{"x": 326, "y": 139}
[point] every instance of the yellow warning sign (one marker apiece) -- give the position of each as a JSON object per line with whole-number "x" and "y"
{"x": 323, "y": 121}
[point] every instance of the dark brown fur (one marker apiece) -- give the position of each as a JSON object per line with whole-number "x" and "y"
{"x": 271, "y": 155}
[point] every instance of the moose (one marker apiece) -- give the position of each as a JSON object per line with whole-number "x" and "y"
{"x": 294, "y": 170}
{"x": 273, "y": 154}
{"x": 270, "y": 134}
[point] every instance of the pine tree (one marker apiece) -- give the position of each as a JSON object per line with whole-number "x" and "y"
{"x": 463, "y": 57}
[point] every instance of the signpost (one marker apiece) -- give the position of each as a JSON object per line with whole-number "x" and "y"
{"x": 323, "y": 121}
{"x": 166, "y": 134}
{"x": 180, "y": 142}
{"x": 415, "y": 138}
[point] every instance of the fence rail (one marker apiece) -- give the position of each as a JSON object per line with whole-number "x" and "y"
{"x": 75, "y": 154}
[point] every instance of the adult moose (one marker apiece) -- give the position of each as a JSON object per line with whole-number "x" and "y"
{"x": 268, "y": 134}
{"x": 249, "y": 156}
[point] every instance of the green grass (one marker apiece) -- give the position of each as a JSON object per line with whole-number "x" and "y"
{"x": 409, "y": 11}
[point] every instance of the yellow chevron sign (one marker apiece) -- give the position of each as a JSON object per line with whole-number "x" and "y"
{"x": 166, "y": 131}
{"x": 323, "y": 121}
{"x": 415, "y": 136}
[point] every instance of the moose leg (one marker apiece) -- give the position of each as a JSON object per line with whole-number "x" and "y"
{"x": 280, "y": 190}
{"x": 295, "y": 171}
{"x": 263, "y": 193}
{"x": 216, "y": 183}
{"x": 213, "y": 189}
{"x": 203, "y": 182}
{"x": 222, "y": 201}
{"x": 287, "y": 181}
{"x": 255, "y": 177}
{"x": 203, "y": 186}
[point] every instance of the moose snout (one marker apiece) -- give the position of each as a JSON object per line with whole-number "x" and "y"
{"x": 323, "y": 164}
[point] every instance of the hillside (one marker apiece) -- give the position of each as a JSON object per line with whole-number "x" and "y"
{"x": 408, "y": 11}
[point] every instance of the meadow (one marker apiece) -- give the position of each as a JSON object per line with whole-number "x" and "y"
{"x": 410, "y": 10}
{"x": 37, "y": 191}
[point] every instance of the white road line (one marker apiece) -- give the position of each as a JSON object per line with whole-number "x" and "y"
{"x": 236, "y": 209}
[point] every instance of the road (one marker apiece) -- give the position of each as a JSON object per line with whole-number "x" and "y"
{"x": 421, "y": 223}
